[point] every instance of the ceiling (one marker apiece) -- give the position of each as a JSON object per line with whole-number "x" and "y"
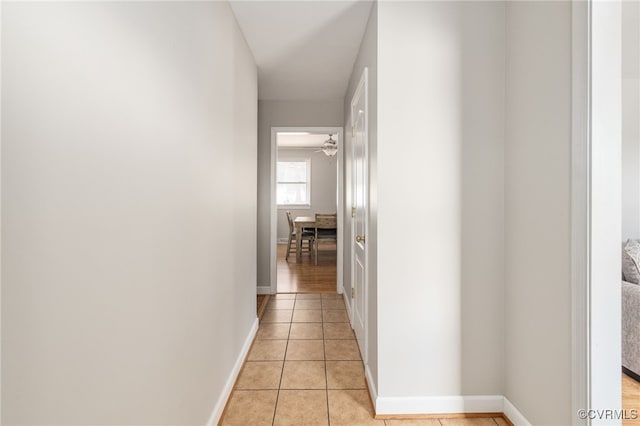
{"x": 294, "y": 140}
{"x": 304, "y": 50}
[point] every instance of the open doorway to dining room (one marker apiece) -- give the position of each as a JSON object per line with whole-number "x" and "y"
{"x": 306, "y": 211}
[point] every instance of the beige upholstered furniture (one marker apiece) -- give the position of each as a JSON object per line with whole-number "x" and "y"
{"x": 296, "y": 240}
{"x": 631, "y": 309}
{"x": 326, "y": 230}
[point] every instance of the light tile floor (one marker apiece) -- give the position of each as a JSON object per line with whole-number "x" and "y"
{"x": 305, "y": 369}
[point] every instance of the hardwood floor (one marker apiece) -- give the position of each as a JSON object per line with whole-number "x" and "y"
{"x": 305, "y": 276}
{"x": 630, "y": 400}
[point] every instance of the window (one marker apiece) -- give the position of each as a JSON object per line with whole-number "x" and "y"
{"x": 293, "y": 183}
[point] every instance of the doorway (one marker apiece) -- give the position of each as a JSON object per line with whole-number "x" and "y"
{"x": 306, "y": 178}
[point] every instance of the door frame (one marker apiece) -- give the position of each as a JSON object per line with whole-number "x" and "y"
{"x": 580, "y": 206}
{"x": 595, "y": 208}
{"x": 273, "y": 240}
{"x": 363, "y": 86}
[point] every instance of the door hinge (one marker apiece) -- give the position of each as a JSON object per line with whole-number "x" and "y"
{"x": 353, "y": 212}
{"x": 353, "y": 131}
{"x": 353, "y": 293}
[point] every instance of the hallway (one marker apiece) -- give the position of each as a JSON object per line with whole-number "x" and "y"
{"x": 305, "y": 369}
{"x": 139, "y": 185}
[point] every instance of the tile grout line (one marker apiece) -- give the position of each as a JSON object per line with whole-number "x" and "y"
{"x": 284, "y": 357}
{"x": 288, "y": 339}
{"x": 326, "y": 370}
{"x": 324, "y": 338}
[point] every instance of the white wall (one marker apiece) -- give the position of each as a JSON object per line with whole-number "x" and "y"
{"x": 128, "y": 250}
{"x": 324, "y": 175}
{"x": 283, "y": 114}
{"x": 367, "y": 57}
{"x": 537, "y": 211}
{"x": 440, "y": 202}
{"x": 630, "y": 120}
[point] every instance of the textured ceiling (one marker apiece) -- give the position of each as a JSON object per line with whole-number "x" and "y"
{"x": 304, "y": 50}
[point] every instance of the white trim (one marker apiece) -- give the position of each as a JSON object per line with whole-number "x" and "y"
{"x": 605, "y": 208}
{"x": 372, "y": 388}
{"x": 346, "y": 298}
{"x": 341, "y": 213}
{"x": 363, "y": 86}
{"x": 0, "y": 228}
{"x": 264, "y": 289}
{"x": 514, "y": 415}
{"x": 214, "y": 418}
{"x": 273, "y": 240}
{"x": 273, "y": 213}
{"x": 453, "y": 404}
{"x": 580, "y": 213}
{"x": 595, "y": 237}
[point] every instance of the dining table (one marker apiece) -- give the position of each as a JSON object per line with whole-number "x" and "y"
{"x": 301, "y": 222}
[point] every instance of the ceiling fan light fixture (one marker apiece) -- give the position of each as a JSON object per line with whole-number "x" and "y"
{"x": 330, "y": 147}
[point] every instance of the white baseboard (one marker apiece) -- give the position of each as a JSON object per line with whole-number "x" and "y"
{"x": 445, "y": 405}
{"x": 283, "y": 240}
{"x": 439, "y": 404}
{"x": 348, "y": 306}
{"x": 264, "y": 289}
{"x": 514, "y": 415}
{"x": 231, "y": 380}
{"x": 372, "y": 387}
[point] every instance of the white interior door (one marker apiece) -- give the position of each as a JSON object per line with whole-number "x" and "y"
{"x": 360, "y": 190}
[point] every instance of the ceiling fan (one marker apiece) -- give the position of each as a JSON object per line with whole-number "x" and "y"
{"x": 329, "y": 147}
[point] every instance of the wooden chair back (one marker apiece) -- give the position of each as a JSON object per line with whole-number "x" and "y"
{"x": 290, "y": 220}
{"x": 326, "y": 221}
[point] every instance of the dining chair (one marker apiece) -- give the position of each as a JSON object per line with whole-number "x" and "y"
{"x": 307, "y": 235}
{"x": 326, "y": 230}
